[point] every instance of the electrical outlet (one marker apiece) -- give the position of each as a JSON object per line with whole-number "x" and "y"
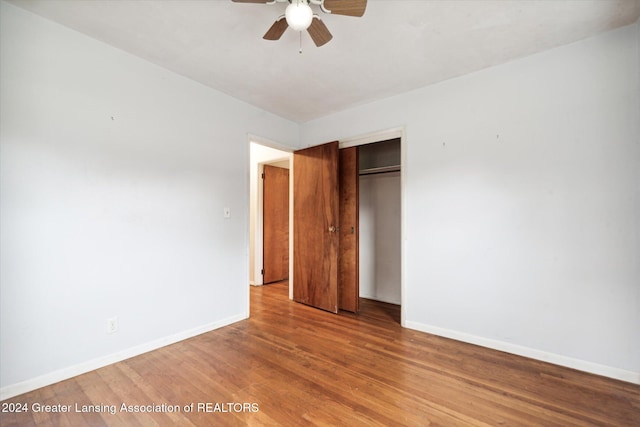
{"x": 112, "y": 325}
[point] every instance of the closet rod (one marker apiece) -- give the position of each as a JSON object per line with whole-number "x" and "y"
{"x": 384, "y": 169}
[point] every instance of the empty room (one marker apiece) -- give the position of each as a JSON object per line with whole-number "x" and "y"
{"x": 455, "y": 238}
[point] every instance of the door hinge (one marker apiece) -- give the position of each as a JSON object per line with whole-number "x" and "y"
{"x": 262, "y": 271}
{"x": 263, "y": 175}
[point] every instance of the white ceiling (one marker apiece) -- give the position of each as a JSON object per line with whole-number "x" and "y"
{"x": 397, "y": 46}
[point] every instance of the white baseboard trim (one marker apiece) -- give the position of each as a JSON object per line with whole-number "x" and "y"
{"x": 556, "y": 359}
{"x": 91, "y": 365}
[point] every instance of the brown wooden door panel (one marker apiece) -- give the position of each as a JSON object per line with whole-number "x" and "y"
{"x": 315, "y": 236}
{"x": 275, "y": 201}
{"x": 348, "y": 262}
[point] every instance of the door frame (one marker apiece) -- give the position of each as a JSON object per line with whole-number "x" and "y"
{"x": 362, "y": 139}
{"x": 257, "y": 222}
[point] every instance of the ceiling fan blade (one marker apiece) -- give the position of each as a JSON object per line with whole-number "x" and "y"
{"x": 251, "y": 1}
{"x": 346, "y": 7}
{"x": 277, "y": 30}
{"x": 319, "y": 32}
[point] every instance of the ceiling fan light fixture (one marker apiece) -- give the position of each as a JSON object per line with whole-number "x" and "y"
{"x": 299, "y": 15}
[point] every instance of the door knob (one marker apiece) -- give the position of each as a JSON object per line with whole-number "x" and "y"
{"x": 332, "y": 229}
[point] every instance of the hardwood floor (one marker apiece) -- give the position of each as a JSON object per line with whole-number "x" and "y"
{"x": 290, "y": 364}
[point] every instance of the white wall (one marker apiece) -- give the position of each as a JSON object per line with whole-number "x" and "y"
{"x": 113, "y": 178}
{"x": 379, "y": 223}
{"x": 522, "y": 200}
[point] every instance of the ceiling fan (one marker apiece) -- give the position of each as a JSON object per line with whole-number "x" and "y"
{"x": 299, "y": 16}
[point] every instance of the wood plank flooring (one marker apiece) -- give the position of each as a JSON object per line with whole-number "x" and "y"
{"x": 293, "y": 365}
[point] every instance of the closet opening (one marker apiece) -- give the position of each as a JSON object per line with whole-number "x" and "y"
{"x": 380, "y": 220}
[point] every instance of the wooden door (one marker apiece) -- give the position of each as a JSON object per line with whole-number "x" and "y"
{"x": 315, "y": 237}
{"x": 275, "y": 242}
{"x": 348, "y": 262}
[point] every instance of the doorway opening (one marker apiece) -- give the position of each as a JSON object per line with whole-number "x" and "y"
{"x": 381, "y": 275}
{"x": 265, "y": 154}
